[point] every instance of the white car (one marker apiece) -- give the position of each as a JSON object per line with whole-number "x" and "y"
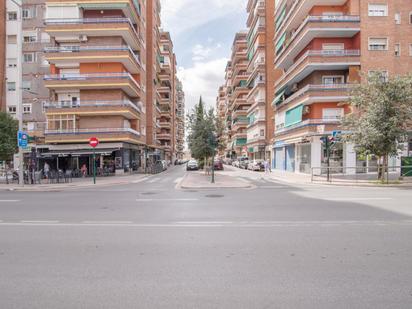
{"x": 192, "y": 165}
{"x": 256, "y": 165}
{"x": 235, "y": 163}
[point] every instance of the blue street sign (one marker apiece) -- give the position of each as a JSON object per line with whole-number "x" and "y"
{"x": 336, "y": 133}
{"x": 22, "y": 139}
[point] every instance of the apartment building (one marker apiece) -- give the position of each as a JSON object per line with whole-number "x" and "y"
{"x": 261, "y": 77}
{"x": 221, "y": 115}
{"x": 97, "y": 83}
{"x": 238, "y": 91}
{"x": 323, "y": 48}
{"x": 180, "y": 120}
{"x": 167, "y": 97}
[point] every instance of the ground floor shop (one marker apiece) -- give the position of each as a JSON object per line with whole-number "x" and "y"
{"x": 256, "y": 152}
{"x": 310, "y": 155}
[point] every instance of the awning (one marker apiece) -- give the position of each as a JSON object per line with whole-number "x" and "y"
{"x": 279, "y": 43}
{"x": 76, "y": 153}
{"x": 294, "y": 116}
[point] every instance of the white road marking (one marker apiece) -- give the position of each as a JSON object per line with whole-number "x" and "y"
{"x": 212, "y": 224}
{"x": 9, "y": 201}
{"x": 167, "y": 199}
{"x": 40, "y": 221}
{"x": 357, "y": 198}
{"x": 108, "y": 222}
{"x": 153, "y": 180}
{"x": 140, "y": 180}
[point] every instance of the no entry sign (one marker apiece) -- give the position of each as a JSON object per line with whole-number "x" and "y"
{"x": 94, "y": 142}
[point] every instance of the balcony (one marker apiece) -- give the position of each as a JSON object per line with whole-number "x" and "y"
{"x": 165, "y": 125}
{"x": 63, "y": 28}
{"x": 314, "y": 27}
{"x": 124, "y": 81}
{"x": 255, "y": 9}
{"x": 130, "y": 8}
{"x": 309, "y": 126}
{"x": 83, "y": 135}
{"x": 316, "y": 94}
{"x": 164, "y": 136}
{"x": 126, "y": 109}
{"x": 315, "y": 60}
{"x": 64, "y": 55}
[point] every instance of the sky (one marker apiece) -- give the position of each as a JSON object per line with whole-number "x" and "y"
{"x": 202, "y": 34}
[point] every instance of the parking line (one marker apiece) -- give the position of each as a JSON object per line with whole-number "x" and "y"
{"x": 9, "y": 201}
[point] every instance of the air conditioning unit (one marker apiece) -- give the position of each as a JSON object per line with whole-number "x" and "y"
{"x": 83, "y": 38}
{"x": 306, "y": 109}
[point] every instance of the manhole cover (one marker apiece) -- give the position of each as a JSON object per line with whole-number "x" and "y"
{"x": 214, "y": 195}
{"x": 148, "y": 193}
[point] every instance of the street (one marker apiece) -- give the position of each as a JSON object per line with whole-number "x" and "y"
{"x": 152, "y": 245}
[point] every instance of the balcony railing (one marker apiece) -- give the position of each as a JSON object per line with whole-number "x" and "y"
{"x": 319, "y": 53}
{"x": 76, "y": 104}
{"x": 311, "y": 19}
{"x": 309, "y": 122}
{"x": 93, "y": 130}
{"x": 86, "y": 21}
{"x": 90, "y": 76}
{"x": 309, "y": 88}
{"x": 76, "y": 49}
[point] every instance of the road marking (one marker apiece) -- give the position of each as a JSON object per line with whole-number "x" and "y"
{"x": 167, "y": 199}
{"x": 108, "y": 222}
{"x": 272, "y": 187}
{"x": 40, "y": 221}
{"x": 177, "y": 180}
{"x": 9, "y": 201}
{"x": 140, "y": 180}
{"x": 357, "y": 198}
{"x": 153, "y": 180}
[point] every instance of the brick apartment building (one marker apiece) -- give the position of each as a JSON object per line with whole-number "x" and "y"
{"x": 304, "y": 59}
{"x": 323, "y": 49}
{"x": 90, "y": 68}
{"x": 3, "y": 56}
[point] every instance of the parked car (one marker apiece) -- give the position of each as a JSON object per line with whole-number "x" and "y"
{"x": 235, "y": 163}
{"x": 192, "y": 165}
{"x": 256, "y": 165}
{"x": 244, "y": 164}
{"x": 218, "y": 165}
{"x": 227, "y": 161}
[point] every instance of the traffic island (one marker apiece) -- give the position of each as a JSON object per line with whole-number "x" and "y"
{"x": 199, "y": 180}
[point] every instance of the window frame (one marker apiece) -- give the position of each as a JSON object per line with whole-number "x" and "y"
{"x": 378, "y": 38}
{"x": 385, "y": 12}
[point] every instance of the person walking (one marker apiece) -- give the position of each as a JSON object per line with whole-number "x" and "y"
{"x": 84, "y": 170}
{"x": 46, "y": 170}
{"x": 267, "y": 167}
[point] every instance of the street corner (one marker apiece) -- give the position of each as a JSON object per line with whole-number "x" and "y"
{"x": 200, "y": 180}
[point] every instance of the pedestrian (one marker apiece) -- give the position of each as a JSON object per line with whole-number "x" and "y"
{"x": 84, "y": 170}
{"x": 267, "y": 167}
{"x": 46, "y": 170}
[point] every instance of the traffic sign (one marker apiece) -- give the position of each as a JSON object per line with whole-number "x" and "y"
{"x": 22, "y": 139}
{"x": 93, "y": 142}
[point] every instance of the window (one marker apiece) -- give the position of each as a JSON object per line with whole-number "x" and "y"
{"x": 410, "y": 17}
{"x": 378, "y": 9}
{"x": 12, "y": 109}
{"x": 11, "y": 86}
{"x": 26, "y": 85}
{"x": 397, "y": 50}
{"x": 12, "y": 16}
{"x": 332, "y": 113}
{"x": 11, "y": 63}
{"x": 410, "y": 49}
{"x": 61, "y": 122}
{"x": 26, "y": 108}
{"x": 262, "y": 132}
{"x": 398, "y": 18}
{"x": 12, "y": 39}
{"x": 332, "y": 80}
{"x": 29, "y": 57}
{"x": 28, "y": 13}
{"x": 333, "y": 46}
{"x": 378, "y": 43}
{"x": 383, "y": 75}
{"x": 29, "y": 37}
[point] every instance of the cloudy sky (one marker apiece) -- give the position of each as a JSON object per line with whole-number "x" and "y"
{"x": 202, "y": 33}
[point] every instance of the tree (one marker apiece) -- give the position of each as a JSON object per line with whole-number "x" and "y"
{"x": 8, "y": 136}
{"x": 220, "y": 132}
{"x": 381, "y": 113}
{"x": 201, "y": 132}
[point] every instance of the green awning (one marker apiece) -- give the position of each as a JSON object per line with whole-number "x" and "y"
{"x": 251, "y": 149}
{"x": 294, "y": 116}
{"x": 279, "y": 98}
{"x": 241, "y": 141}
{"x": 280, "y": 42}
{"x": 281, "y": 17}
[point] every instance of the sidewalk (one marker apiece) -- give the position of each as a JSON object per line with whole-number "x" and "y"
{"x": 77, "y": 183}
{"x": 198, "y": 180}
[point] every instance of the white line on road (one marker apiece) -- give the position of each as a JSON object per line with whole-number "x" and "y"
{"x": 140, "y": 180}
{"x": 9, "y": 201}
{"x": 357, "y": 198}
{"x": 167, "y": 200}
{"x": 40, "y": 221}
{"x": 153, "y": 180}
{"x": 108, "y": 222}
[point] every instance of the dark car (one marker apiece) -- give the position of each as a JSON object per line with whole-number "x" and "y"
{"x": 218, "y": 165}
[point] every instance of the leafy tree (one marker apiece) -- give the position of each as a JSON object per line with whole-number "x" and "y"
{"x": 381, "y": 113}
{"x": 220, "y": 132}
{"x": 201, "y": 132}
{"x": 8, "y": 136}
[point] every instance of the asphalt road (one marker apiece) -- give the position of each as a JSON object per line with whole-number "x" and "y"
{"x": 148, "y": 245}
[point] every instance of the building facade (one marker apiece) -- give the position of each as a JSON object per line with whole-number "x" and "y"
{"x": 180, "y": 121}
{"x": 3, "y": 18}
{"x": 323, "y": 49}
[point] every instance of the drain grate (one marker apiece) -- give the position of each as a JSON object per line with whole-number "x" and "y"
{"x": 214, "y": 195}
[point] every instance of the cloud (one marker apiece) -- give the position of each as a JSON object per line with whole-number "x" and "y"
{"x": 203, "y": 79}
